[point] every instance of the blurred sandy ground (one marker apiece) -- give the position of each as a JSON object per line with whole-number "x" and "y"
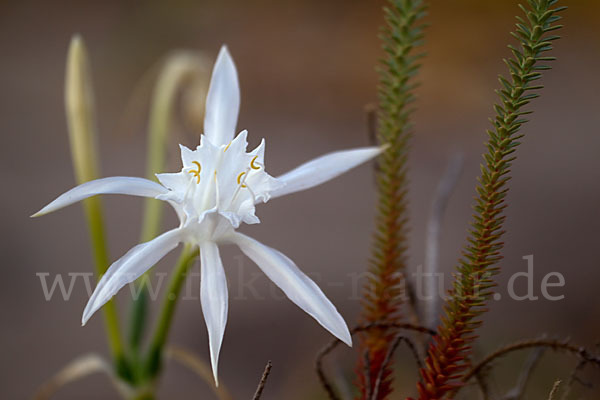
{"x": 306, "y": 70}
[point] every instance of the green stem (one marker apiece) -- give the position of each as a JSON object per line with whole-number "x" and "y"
{"x": 93, "y": 211}
{"x": 163, "y": 325}
{"x": 79, "y": 107}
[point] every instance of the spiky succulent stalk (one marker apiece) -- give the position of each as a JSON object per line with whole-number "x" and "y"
{"x": 448, "y": 354}
{"x": 383, "y": 294}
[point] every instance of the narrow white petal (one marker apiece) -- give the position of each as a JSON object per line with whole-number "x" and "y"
{"x": 112, "y": 185}
{"x": 322, "y": 169}
{"x": 187, "y": 156}
{"x": 175, "y": 181}
{"x": 223, "y": 101}
{"x": 130, "y": 267}
{"x": 298, "y": 287}
{"x": 214, "y": 299}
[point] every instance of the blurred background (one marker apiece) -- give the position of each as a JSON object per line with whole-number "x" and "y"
{"x": 307, "y": 73}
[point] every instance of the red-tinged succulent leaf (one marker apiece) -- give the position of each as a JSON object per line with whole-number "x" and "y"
{"x": 448, "y": 354}
{"x": 383, "y": 294}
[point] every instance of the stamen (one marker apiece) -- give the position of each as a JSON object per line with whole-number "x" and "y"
{"x": 226, "y": 147}
{"x": 196, "y": 172}
{"x": 239, "y": 178}
{"x": 252, "y": 163}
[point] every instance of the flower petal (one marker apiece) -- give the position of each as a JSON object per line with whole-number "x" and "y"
{"x": 130, "y": 267}
{"x": 177, "y": 181}
{"x": 298, "y": 287}
{"x": 188, "y": 156}
{"x": 214, "y": 299}
{"x": 113, "y": 185}
{"x": 322, "y": 169}
{"x": 223, "y": 101}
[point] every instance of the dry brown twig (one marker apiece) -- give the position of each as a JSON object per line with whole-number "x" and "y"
{"x": 555, "y": 345}
{"x": 482, "y": 384}
{"x": 532, "y": 361}
{"x": 554, "y": 390}
{"x": 388, "y": 357}
{"x": 263, "y": 381}
{"x": 526, "y": 344}
{"x": 335, "y": 342}
{"x": 572, "y": 379}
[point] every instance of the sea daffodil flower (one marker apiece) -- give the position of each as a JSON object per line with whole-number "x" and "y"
{"x": 216, "y": 190}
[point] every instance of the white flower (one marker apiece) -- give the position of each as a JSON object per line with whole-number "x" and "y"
{"x": 216, "y": 190}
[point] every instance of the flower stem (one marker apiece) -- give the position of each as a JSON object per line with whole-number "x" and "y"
{"x": 153, "y": 362}
{"x": 79, "y": 106}
{"x": 94, "y": 218}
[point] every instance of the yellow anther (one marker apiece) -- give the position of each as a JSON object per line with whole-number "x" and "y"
{"x": 226, "y": 147}
{"x": 196, "y": 172}
{"x": 239, "y": 179}
{"x": 252, "y": 163}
